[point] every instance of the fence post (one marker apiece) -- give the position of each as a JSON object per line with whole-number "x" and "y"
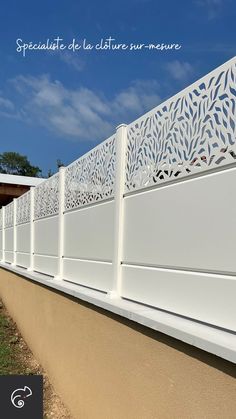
{"x": 31, "y": 267}
{"x": 3, "y": 234}
{"x": 61, "y": 222}
{"x": 14, "y": 230}
{"x": 121, "y": 140}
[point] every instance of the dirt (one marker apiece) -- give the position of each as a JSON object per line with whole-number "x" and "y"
{"x": 18, "y": 359}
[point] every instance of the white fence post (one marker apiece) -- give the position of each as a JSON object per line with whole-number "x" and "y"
{"x": 121, "y": 139}
{"x": 14, "y": 230}
{"x": 3, "y": 234}
{"x": 61, "y": 222}
{"x": 31, "y": 267}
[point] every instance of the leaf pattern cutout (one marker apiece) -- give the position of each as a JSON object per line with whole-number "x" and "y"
{"x": 190, "y": 133}
{"x": 23, "y": 207}
{"x": 46, "y": 198}
{"x": 91, "y": 178}
{"x": 9, "y": 215}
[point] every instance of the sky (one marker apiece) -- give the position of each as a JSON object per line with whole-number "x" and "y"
{"x": 58, "y": 104}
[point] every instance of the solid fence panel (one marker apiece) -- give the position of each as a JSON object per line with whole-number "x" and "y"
{"x": 89, "y": 232}
{"x": 208, "y": 298}
{"x": 179, "y": 248}
{"x": 187, "y": 225}
{"x": 23, "y": 245}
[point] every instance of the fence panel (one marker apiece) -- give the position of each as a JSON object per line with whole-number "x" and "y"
{"x": 46, "y": 208}
{"x": 23, "y": 209}
{"x": 9, "y": 233}
{"x": 179, "y": 229}
{"x": 179, "y": 248}
{"x": 89, "y": 217}
{"x": 189, "y": 134}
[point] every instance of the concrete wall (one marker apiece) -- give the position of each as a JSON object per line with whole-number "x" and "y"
{"x": 104, "y": 366}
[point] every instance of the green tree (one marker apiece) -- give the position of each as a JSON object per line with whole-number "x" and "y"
{"x": 15, "y": 164}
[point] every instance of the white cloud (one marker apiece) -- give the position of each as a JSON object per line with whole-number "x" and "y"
{"x": 6, "y": 104}
{"x": 179, "y": 70}
{"x": 84, "y": 98}
{"x": 81, "y": 114}
{"x": 72, "y": 60}
{"x": 68, "y": 112}
{"x": 211, "y": 8}
{"x": 138, "y": 98}
{"x": 7, "y": 108}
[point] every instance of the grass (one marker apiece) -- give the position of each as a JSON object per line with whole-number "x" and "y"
{"x": 10, "y": 362}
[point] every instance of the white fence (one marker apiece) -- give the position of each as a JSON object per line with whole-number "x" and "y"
{"x": 148, "y": 215}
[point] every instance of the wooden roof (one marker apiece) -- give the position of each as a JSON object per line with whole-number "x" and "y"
{"x": 12, "y": 186}
{"x": 8, "y": 192}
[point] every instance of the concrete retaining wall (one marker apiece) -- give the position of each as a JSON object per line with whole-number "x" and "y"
{"x": 104, "y": 366}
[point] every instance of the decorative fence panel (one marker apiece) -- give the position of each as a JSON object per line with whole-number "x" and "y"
{"x": 178, "y": 253}
{"x": 149, "y": 214}
{"x": 187, "y": 135}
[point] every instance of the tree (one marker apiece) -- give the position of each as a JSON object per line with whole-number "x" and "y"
{"x": 59, "y": 164}
{"x": 50, "y": 173}
{"x": 15, "y": 164}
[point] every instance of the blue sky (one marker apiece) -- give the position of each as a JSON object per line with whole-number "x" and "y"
{"x": 59, "y": 104}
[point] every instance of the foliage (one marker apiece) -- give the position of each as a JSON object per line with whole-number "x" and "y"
{"x": 15, "y": 164}
{"x": 59, "y": 164}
